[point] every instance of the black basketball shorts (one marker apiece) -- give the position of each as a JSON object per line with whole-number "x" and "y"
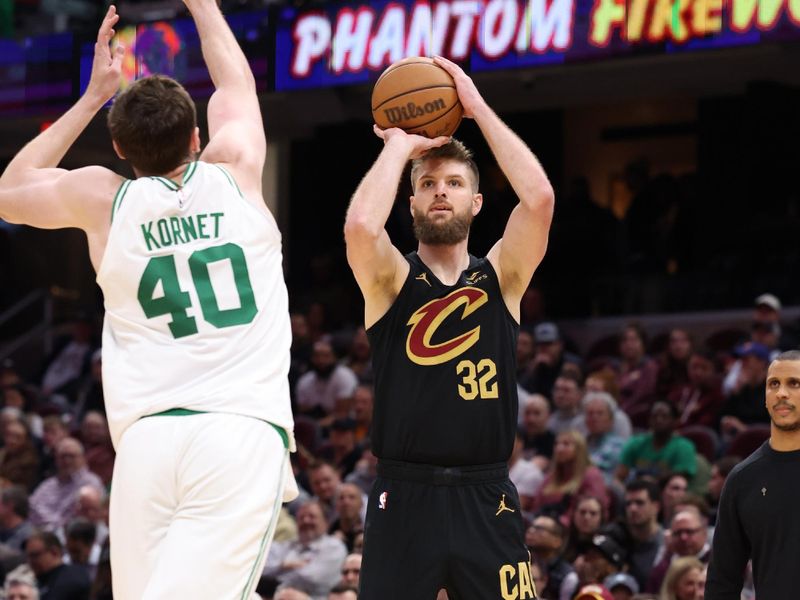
{"x": 457, "y": 528}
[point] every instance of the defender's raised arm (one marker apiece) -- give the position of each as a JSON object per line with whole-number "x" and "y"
{"x": 235, "y": 128}
{"x": 37, "y": 193}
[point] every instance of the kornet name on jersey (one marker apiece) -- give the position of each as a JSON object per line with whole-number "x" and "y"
{"x": 196, "y": 306}
{"x": 444, "y": 359}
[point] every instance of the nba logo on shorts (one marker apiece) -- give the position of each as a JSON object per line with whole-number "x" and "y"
{"x": 382, "y": 500}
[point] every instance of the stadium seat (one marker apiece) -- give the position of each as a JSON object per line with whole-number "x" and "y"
{"x": 748, "y": 441}
{"x": 705, "y": 440}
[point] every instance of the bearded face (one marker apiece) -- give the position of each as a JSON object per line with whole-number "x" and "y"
{"x": 435, "y": 229}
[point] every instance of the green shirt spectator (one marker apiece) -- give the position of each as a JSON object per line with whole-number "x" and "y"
{"x": 658, "y": 452}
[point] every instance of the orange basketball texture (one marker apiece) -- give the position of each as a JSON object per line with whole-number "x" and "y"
{"x": 418, "y": 96}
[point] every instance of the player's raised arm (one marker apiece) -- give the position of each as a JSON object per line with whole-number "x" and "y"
{"x": 235, "y": 128}
{"x": 32, "y": 190}
{"x": 524, "y": 241}
{"x": 377, "y": 265}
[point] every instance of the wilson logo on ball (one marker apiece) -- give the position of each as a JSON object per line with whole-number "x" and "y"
{"x": 418, "y": 96}
{"x": 398, "y": 114}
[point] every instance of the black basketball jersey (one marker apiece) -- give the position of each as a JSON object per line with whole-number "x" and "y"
{"x": 444, "y": 359}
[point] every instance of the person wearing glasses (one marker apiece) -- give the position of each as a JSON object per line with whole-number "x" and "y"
{"x": 688, "y": 536}
{"x": 546, "y": 538}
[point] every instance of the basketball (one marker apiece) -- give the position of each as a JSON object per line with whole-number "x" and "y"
{"x": 418, "y": 96}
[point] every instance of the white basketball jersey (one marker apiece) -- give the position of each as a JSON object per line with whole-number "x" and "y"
{"x": 197, "y": 313}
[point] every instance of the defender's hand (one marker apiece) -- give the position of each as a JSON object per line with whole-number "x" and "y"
{"x": 417, "y": 144}
{"x": 107, "y": 65}
{"x": 468, "y": 94}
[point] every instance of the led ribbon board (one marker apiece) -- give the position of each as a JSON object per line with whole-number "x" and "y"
{"x": 352, "y": 43}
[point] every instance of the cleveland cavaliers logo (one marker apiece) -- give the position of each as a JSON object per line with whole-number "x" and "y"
{"x": 427, "y": 319}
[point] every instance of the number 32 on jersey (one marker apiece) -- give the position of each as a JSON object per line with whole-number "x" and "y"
{"x": 477, "y": 380}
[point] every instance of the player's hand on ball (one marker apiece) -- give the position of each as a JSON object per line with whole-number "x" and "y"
{"x": 418, "y": 144}
{"x": 468, "y": 94}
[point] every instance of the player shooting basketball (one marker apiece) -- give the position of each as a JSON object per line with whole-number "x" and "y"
{"x": 443, "y": 327}
{"x": 196, "y": 334}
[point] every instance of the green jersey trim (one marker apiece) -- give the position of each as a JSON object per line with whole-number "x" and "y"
{"x": 230, "y": 179}
{"x": 185, "y": 412}
{"x": 187, "y": 174}
{"x": 123, "y": 188}
{"x": 168, "y": 183}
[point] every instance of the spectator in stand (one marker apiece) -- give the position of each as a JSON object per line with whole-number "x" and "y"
{"x": 290, "y": 593}
{"x": 343, "y": 592}
{"x": 673, "y": 492}
{"x": 327, "y": 383}
{"x": 546, "y": 538}
{"x": 639, "y": 532}
{"x": 567, "y": 394}
{"x": 688, "y": 537}
{"x": 767, "y": 309}
{"x": 765, "y": 329}
{"x": 603, "y": 380}
{"x": 57, "y": 581}
{"x": 313, "y": 562}
{"x": 53, "y": 502}
{"x": 586, "y": 522}
{"x": 603, "y": 443}
{"x": 685, "y": 580}
{"x": 696, "y": 503}
{"x": 89, "y": 395}
{"x": 548, "y": 360}
{"x": 622, "y": 586}
{"x": 344, "y": 451}
{"x": 21, "y": 397}
{"x": 719, "y": 473}
{"x": 68, "y": 363}
{"x": 603, "y": 557}
{"x": 301, "y": 348}
{"x": 746, "y": 402}
{"x": 82, "y": 547}
{"x": 359, "y": 357}
{"x": 673, "y": 363}
{"x": 363, "y": 405}
{"x": 99, "y": 450}
{"x": 638, "y": 372}
{"x": 14, "y": 524}
{"x": 324, "y": 480}
{"x": 348, "y": 522}
{"x": 525, "y": 475}
{"x": 660, "y": 451}
{"x": 366, "y": 470}
{"x": 570, "y": 476}
{"x": 538, "y": 440}
{"x": 620, "y": 422}
{"x": 351, "y": 569}
{"x": 15, "y": 589}
{"x": 54, "y": 429}
{"x": 19, "y": 460}
{"x": 700, "y": 399}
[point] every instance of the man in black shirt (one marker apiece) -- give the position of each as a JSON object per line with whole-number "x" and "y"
{"x": 443, "y": 325}
{"x": 757, "y": 518}
{"x": 57, "y": 581}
